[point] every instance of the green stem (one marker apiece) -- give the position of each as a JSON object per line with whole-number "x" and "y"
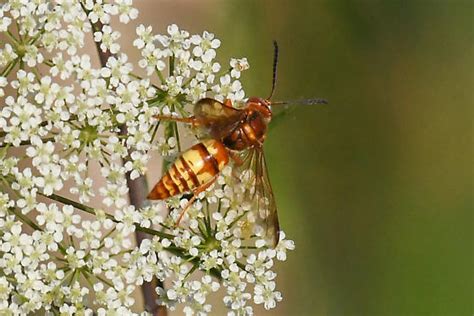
{"x": 155, "y": 130}
{"x": 49, "y": 63}
{"x": 104, "y": 281}
{"x": 169, "y": 132}
{"x": 191, "y": 271}
{"x": 9, "y": 68}
{"x": 25, "y": 219}
{"x": 87, "y": 278}
{"x": 160, "y": 76}
{"x": 36, "y": 37}
{"x": 92, "y": 211}
{"x": 12, "y": 38}
{"x": 176, "y": 135}
{"x": 27, "y": 142}
{"x": 18, "y": 29}
{"x": 171, "y": 61}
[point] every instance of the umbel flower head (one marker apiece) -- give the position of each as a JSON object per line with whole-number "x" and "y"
{"x": 60, "y": 115}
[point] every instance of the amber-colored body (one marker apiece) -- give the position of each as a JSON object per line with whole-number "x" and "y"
{"x": 238, "y": 129}
{"x": 195, "y": 168}
{"x": 230, "y": 131}
{"x": 252, "y": 128}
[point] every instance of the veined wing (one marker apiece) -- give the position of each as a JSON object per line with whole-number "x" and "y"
{"x": 217, "y": 117}
{"x": 262, "y": 197}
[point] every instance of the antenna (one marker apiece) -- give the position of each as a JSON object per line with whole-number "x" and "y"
{"x": 275, "y": 62}
{"x": 302, "y": 102}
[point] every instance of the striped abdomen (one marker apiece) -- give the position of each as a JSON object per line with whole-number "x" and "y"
{"x": 251, "y": 132}
{"x": 194, "y": 168}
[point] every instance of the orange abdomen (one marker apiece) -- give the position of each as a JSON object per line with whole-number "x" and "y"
{"x": 194, "y": 168}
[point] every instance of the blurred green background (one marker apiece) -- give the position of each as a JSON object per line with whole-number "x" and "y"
{"x": 376, "y": 188}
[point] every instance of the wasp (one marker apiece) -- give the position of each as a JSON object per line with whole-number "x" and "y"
{"x": 234, "y": 134}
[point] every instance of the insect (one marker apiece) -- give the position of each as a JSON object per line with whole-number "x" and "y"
{"x": 234, "y": 134}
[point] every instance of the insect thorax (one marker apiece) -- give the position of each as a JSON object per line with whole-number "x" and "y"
{"x": 249, "y": 133}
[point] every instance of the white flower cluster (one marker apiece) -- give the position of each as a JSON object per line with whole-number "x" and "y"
{"x": 59, "y": 114}
{"x": 223, "y": 239}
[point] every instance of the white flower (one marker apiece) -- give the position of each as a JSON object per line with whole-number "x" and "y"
{"x": 228, "y": 89}
{"x": 126, "y": 11}
{"x": 12, "y": 238}
{"x": 75, "y": 258}
{"x": 107, "y": 38}
{"x": 61, "y": 67}
{"x": 283, "y": 246}
{"x": 238, "y": 65}
{"x": 4, "y": 22}
{"x": 24, "y": 119}
{"x": 42, "y": 153}
{"x": 32, "y": 56}
{"x": 83, "y": 188}
{"x": 24, "y": 82}
{"x": 24, "y": 180}
{"x": 50, "y": 179}
{"x": 145, "y": 36}
{"x": 5, "y": 289}
{"x": 3, "y": 84}
{"x": 98, "y": 11}
{"x": 177, "y": 39}
{"x": 7, "y": 55}
{"x": 266, "y": 295}
{"x": 152, "y": 58}
{"x": 50, "y": 216}
{"x": 174, "y": 85}
{"x": 138, "y": 164}
{"x": 114, "y": 194}
{"x": 118, "y": 69}
{"x": 27, "y": 201}
{"x": 205, "y": 46}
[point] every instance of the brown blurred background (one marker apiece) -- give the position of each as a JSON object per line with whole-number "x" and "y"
{"x": 376, "y": 189}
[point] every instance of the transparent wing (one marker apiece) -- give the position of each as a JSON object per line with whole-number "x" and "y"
{"x": 217, "y": 117}
{"x": 262, "y": 195}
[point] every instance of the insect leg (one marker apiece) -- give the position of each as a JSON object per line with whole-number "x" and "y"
{"x": 196, "y": 192}
{"x": 236, "y": 158}
{"x": 190, "y": 120}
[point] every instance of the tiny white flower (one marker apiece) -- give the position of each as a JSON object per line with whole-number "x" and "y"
{"x": 107, "y": 38}
{"x": 126, "y": 11}
{"x": 238, "y": 65}
{"x": 50, "y": 179}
